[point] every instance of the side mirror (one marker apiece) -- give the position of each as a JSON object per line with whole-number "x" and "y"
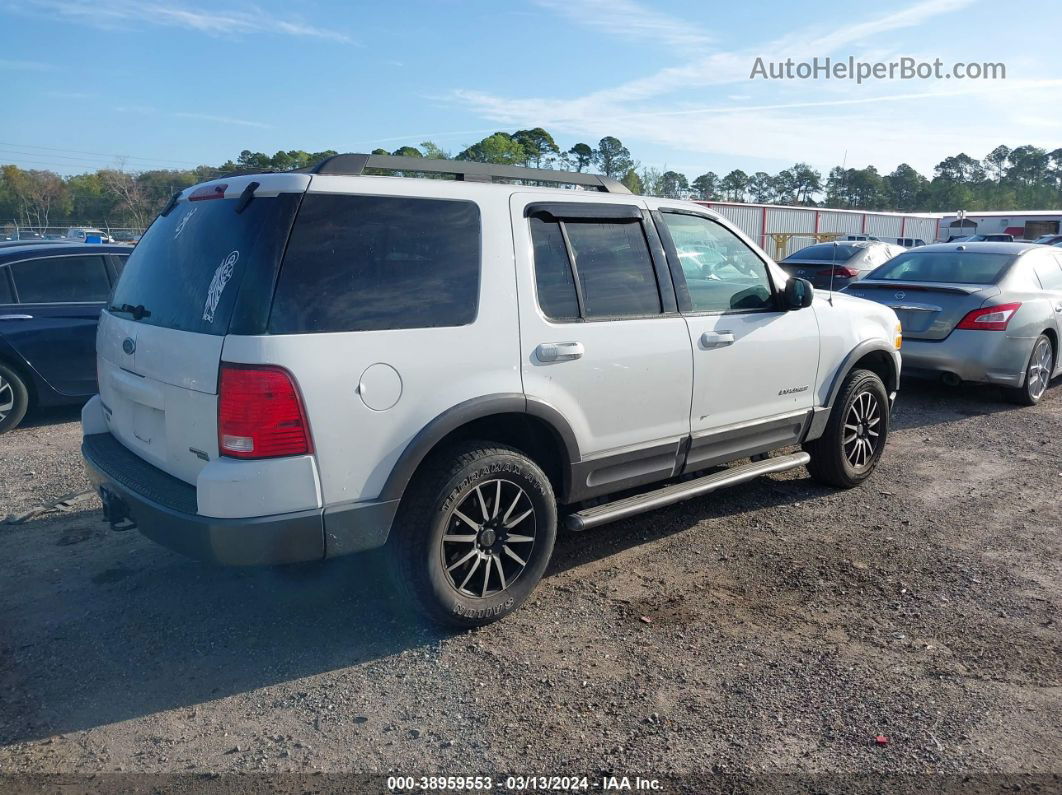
{"x": 798, "y": 293}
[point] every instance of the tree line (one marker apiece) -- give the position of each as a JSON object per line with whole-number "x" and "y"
{"x": 1024, "y": 178}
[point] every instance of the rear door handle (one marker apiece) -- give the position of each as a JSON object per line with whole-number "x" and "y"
{"x": 710, "y": 339}
{"x": 16, "y": 317}
{"x": 559, "y": 351}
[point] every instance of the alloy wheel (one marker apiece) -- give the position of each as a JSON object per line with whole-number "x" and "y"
{"x": 1039, "y": 369}
{"x": 489, "y": 539}
{"x": 862, "y": 430}
{"x": 7, "y": 398}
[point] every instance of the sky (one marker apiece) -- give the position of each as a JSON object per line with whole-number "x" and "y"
{"x": 177, "y": 83}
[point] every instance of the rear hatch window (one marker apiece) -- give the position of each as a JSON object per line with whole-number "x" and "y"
{"x": 187, "y": 270}
{"x": 947, "y": 267}
{"x": 827, "y": 252}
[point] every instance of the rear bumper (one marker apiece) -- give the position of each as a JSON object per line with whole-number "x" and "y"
{"x": 988, "y": 357}
{"x": 163, "y": 509}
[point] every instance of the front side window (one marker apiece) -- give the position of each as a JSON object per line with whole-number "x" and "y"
{"x": 365, "y": 263}
{"x": 61, "y": 280}
{"x": 610, "y": 259}
{"x": 722, "y": 273}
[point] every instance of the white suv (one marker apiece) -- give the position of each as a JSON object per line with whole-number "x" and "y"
{"x": 304, "y": 365}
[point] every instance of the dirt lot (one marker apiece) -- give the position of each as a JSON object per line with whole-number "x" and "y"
{"x": 776, "y": 627}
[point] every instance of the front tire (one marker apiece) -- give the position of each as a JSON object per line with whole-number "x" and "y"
{"x": 1037, "y": 374}
{"x": 474, "y": 534}
{"x": 14, "y": 398}
{"x": 849, "y": 451}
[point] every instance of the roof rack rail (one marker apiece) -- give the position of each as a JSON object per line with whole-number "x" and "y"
{"x": 467, "y": 170}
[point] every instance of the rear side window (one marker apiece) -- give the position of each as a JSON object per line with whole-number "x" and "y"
{"x": 611, "y": 262}
{"x": 1048, "y": 270}
{"x": 365, "y": 263}
{"x": 553, "y": 271}
{"x": 65, "y": 280}
{"x": 5, "y": 288}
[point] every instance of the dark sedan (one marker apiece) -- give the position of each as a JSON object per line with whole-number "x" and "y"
{"x": 50, "y": 302}
{"x": 838, "y": 264}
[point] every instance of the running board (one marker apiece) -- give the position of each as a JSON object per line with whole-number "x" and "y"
{"x": 669, "y": 495}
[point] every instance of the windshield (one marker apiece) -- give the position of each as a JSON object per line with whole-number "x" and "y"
{"x": 956, "y": 267}
{"x": 186, "y": 270}
{"x": 824, "y": 251}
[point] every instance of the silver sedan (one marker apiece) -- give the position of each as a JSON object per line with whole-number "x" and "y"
{"x": 985, "y": 312}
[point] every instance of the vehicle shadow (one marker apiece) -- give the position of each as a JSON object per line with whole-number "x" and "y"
{"x": 98, "y": 627}
{"x": 922, "y": 403}
{"x": 51, "y": 415}
{"x": 578, "y": 549}
{"x": 119, "y": 628}
{"x": 127, "y": 629}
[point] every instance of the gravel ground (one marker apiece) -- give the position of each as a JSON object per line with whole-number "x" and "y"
{"x": 778, "y": 627}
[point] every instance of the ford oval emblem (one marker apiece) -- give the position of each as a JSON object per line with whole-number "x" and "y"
{"x": 901, "y": 295}
{"x": 129, "y": 345}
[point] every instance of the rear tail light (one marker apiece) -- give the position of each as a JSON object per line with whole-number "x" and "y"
{"x": 841, "y": 272}
{"x": 989, "y": 318}
{"x": 260, "y": 414}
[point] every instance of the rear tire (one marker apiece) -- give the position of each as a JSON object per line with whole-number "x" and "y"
{"x": 1037, "y": 374}
{"x": 14, "y": 398}
{"x": 474, "y": 534}
{"x": 849, "y": 451}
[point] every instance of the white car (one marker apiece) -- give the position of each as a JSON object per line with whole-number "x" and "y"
{"x": 88, "y": 234}
{"x": 304, "y": 365}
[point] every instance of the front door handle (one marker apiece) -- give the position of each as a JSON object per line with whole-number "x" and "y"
{"x": 711, "y": 339}
{"x": 16, "y": 317}
{"x": 559, "y": 351}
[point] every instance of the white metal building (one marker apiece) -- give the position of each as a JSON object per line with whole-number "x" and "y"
{"x": 781, "y": 230}
{"x": 1023, "y": 224}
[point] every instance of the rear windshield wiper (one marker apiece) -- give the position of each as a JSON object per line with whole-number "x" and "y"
{"x": 138, "y": 312}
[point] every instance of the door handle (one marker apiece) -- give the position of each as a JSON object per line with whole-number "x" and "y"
{"x": 559, "y": 351}
{"x": 16, "y": 317}
{"x": 710, "y": 339}
{"x": 1058, "y": 307}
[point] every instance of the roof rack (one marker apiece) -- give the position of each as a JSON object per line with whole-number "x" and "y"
{"x": 469, "y": 171}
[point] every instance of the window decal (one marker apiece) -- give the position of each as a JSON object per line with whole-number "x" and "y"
{"x": 217, "y": 285}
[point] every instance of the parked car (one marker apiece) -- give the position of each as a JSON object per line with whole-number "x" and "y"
{"x": 50, "y": 300}
{"x": 125, "y": 236}
{"x": 985, "y": 312}
{"x": 33, "y": 242}
{"x": 304, "y": 365}
{"x": 1049, "y": 240}
{"x": 838, "y": 264}
{"x": 995, "y": 238}
{"x": 910, "y": 242}
{"x": 88, "y": 234}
